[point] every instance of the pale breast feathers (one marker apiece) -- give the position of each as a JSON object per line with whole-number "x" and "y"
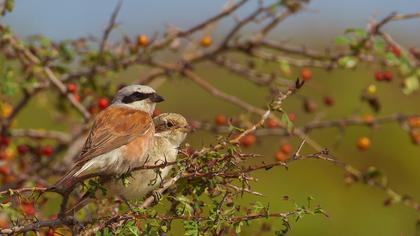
{"x": 113, "y": 128}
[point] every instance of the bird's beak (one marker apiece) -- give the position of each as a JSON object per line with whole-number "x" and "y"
{"x": 156, "y": 98}
{"x": 187, "y": 129}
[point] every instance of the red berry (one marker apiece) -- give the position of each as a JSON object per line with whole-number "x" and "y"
{"x": 28, "y": 208}
{"x": 306, "y": 74}
{"x": 50, "y": 232}
{"x": 379, "y": 76}
{"x": 248, "y": 140}
{"x": 93, "y": 109}
{"x": 4, "y": 141}
{"x": 47, "y": 151}
{"x": 291, "y": 116}
{"x": 329, "y": 101}
{"x": 156, "y": 112}
{"x": 286, "y": 148}
{"x": 363, "y": 143}
{"x": 4, "y": 170}
{"x": 142, "y": 40}
{"x": 414, "y": 122}
{"x": 3, "y": 222}
{"x": 103, "y": 103}
{"x": 77, "y": 97}
{"x": 22, "y": 149}
{"x": 395, "y": 50}
{"x": 220, "y": 120}
{"x": 3, "y": 155}
{"x": 309, "y": 106}
{"x": 272, "y": 123}
{"x": 387, "y": 75}
{"x": 71, "y": 87}
{"x": 415, "y": 137}
{"x": 280, "y": 156}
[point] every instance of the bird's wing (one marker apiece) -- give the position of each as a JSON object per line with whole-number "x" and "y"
{"x": 112, "y": 128}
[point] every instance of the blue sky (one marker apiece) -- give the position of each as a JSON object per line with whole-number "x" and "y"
{"x": 62, "y": 19}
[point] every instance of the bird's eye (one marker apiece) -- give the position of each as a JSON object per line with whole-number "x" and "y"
{"x": 169, "y": 124}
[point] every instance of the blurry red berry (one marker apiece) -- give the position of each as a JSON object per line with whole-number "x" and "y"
{"x": 4, "y": 170}
{"x": 206, "y": 41}
{"x": 291, "y": 116}
{"x": 4, "y": 141}
{"x": 220, "y": 120}
{"x": 28, "y": 208}
{"x": 47, "y": 151}
{"x": 93, "y": 109}
{"x": 272, "y": 123}
{"x": 363, "y": 143}
{"x": 414, "y": 122}
{"x": 368, "y": 119}
{"x": 77, "y": 97}
{"x": 142, "y": 40}
{"x": 22, "y": 149}
{"x": 309, "y": 106}
{"x": 379, "y": 76}
{"x": 71, "y": 87}
{"x": 156, "y": 112}
{"x": 306, "y": 74}
{"x": 103, "y": 103}
{"x": 395, "y": 50}
{"x": 329, "y": 101}
{"x": 387, "y": 75}
{"x": 415, "y": 136}
{"x": 248, "y": 140}
{"x": 280, "y": 156}
{"x": 50, "y": 232}
{"x": 3, "y": 155}
{"x": 286, "y": 148}
{"x": 3, "y": 222}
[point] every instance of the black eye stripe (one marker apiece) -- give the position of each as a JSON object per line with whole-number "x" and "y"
{"x": 136, "y": 96}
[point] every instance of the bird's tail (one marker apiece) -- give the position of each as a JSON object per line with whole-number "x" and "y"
{"x": 67, "y": 181}
{"x": 79, "y": 205}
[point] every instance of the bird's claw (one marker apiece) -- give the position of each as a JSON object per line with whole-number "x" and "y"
{"x": 156, "y": 196}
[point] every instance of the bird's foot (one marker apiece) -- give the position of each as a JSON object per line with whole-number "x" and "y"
{"x": 156, "y": 196}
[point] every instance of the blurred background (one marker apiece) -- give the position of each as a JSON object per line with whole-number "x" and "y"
{"x": 353, "y": 210}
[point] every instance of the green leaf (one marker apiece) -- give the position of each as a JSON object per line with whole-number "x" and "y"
{"x": 392, "y": 59}
{"x": 257, "y": 207}
{"x": 238, "y": 226}
{"x": 347, "y": 62}
{"x": 411, "y": 84}
{"x": 285, "y": 67}
{"x": 342, "y": 40}
{"x": 9, "y": 5}
{"x": 379, "y": 44}
{"x": 191, "y": 228}
{"x": 8, "y": 85}
{"x": 285, "y": 120}
{"x": 359, "y": 32}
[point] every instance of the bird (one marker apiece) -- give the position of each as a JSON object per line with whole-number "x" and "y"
{"x": 120, "y": 136}
{"x": 171, "y": 131}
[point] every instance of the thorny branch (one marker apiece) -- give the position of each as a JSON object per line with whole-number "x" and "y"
{"x": 256, "y": 46}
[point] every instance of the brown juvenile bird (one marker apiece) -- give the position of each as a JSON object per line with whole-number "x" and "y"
{"x": 171, "y": 131}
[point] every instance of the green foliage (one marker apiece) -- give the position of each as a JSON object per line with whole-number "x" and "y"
{"x": 8, "y": 85}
